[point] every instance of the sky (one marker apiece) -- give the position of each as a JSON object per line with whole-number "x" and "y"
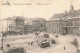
{"x": 35, "y": 8}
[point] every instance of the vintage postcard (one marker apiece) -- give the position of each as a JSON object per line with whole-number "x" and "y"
{"x": 39, "y": 26}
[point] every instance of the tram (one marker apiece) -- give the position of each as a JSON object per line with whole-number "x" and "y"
{"x": 45, "y": 44}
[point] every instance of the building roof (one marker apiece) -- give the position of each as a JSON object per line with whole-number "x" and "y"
{"x": 10, "y": 18}
{"x": 70, "y": 13}
{"x": 14, "y": 17}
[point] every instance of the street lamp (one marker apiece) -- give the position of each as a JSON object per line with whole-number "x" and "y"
{"x": 2, "y": 40}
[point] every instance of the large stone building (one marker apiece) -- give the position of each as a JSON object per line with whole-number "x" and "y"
{"x": 12, "y": 25}
{"x": 69, "y": 22}
{"x": 8, "y": 26}
{"x": 19, "y": 24}
{"x": 64, "y": 27}
{"x": 74, "y": 26}
{"x": 28, "y": 27}
{"x": 53, "y": 26}
{"x": 38, "y": 24}
{"x": 34, "y": 25}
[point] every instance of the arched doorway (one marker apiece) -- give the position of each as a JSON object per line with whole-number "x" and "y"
{"x": 64, "y": 31}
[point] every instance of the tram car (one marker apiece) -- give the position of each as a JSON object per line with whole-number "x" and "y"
{"x": 45, "y": 44}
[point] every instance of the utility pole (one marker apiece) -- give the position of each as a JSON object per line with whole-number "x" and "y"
{"x": 78, "y": 28}
{"x": 2, "y": 40}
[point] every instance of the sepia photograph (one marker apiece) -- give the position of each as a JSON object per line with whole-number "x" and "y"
{"x": 39, "y": 26}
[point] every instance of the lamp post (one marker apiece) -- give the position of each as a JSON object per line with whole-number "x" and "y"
{"x": 2, "y": 40}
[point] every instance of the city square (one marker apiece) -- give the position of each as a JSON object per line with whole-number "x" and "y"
{"x": 31, "y": 32}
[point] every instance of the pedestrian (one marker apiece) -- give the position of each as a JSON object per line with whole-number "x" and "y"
{"x": 64, "y": 48}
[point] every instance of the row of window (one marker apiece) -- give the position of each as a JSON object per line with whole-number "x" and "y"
{"x": 53, "y": 30}
{"x": 10, "y": 28}
{"x": 10, "y": 25}
{"x": 53, "y": 25}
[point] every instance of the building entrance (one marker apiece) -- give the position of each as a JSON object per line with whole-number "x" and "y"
{"x": 64, "y": 31}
